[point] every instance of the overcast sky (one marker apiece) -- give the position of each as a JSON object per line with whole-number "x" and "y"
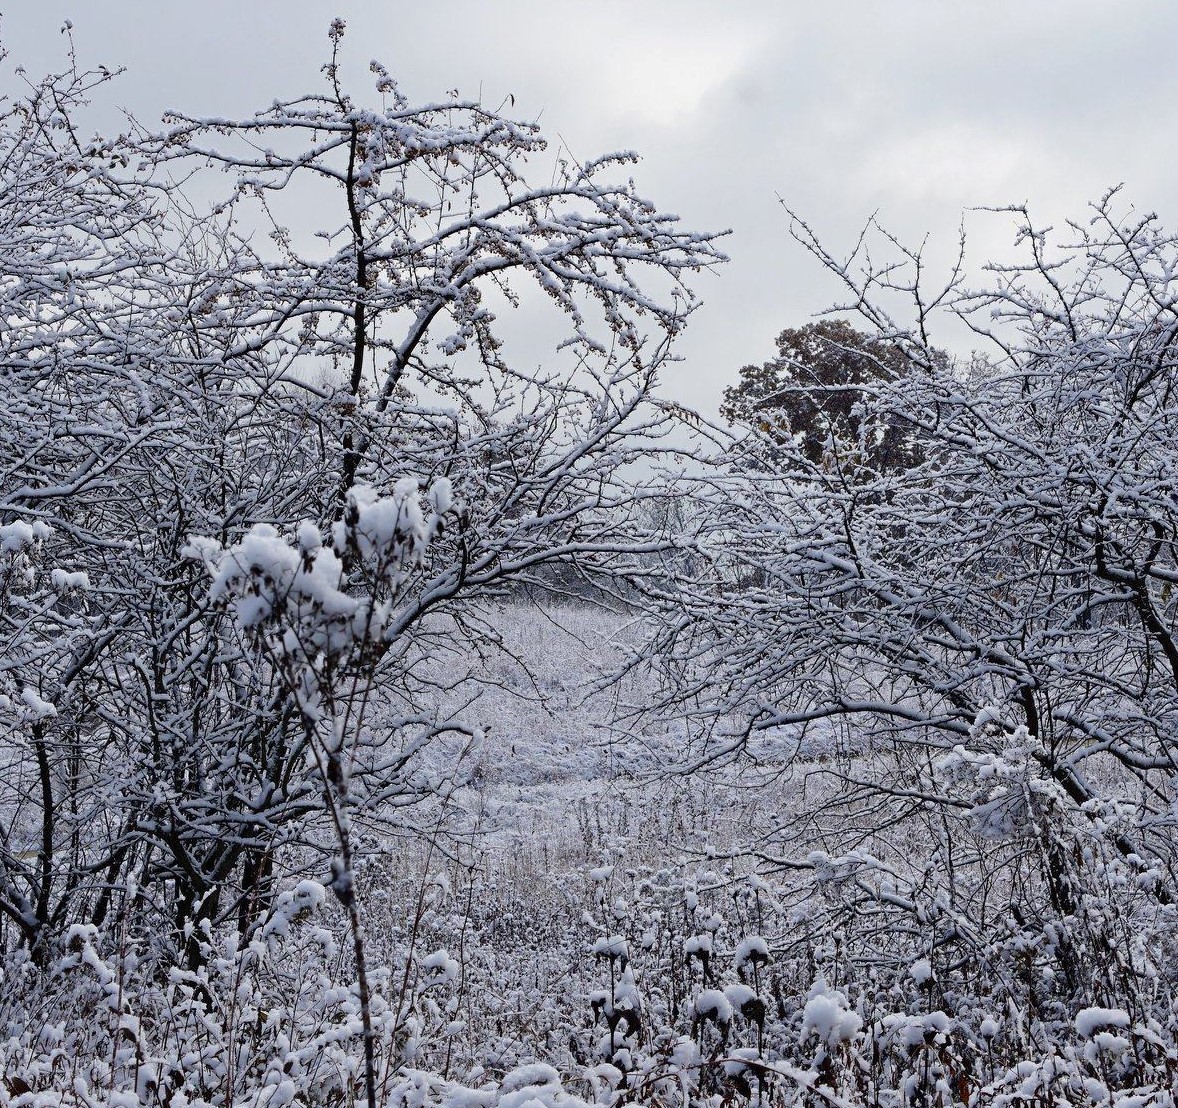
{"x": 915, "y": 109}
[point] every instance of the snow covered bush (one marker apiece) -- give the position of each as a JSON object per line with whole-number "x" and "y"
{"x": 173, "y": 388}
{"x": 224, "y": 600}
{"x": 964, "y": 668}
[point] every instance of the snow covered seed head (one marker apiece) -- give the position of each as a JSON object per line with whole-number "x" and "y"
{"x": 17, "y": 537}
{"x": 391, "y": 534}
{"x": 711, "y": 1004}
{"x": 921, "y": 972}
{"x": 1090, "y": 1021}
{"x": 827, "y": 1017}
{"x": 751, "y": 952}
{"x": 699, "y": 947}
{"x": 296, "y": 591}
{"x": 747, "y": 1003}
{"x": 438, "y": 968}
{"x": 19, "y": 542}
{"x": 613, "y": 949}
{"x": 291, "y": 906}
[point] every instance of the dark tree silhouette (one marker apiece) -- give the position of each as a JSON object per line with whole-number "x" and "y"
{"x": 818, "y": 388}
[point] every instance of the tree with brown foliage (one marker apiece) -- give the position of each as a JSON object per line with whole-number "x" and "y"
{"x": 815, "y": 389}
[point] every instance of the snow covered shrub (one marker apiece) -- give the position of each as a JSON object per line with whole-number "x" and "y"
{"x": 241, "y": 649}
{"x": 958, "y": 675}
{"x": 183, "y": 356}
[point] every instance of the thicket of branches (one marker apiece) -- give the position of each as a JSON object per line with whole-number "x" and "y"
{"x": 969, "y": 662}
{"x": 258, "y": 477}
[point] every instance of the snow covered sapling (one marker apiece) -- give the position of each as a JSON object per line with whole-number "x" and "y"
{"x": 324, "y": 629}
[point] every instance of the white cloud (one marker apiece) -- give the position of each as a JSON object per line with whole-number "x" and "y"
{"x": 964, "y": 162}
{"x": 663, "y": 81}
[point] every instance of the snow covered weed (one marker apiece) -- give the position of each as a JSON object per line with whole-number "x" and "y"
{"x": 265, "y": 1019}
{"x": 564, "y": 970}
